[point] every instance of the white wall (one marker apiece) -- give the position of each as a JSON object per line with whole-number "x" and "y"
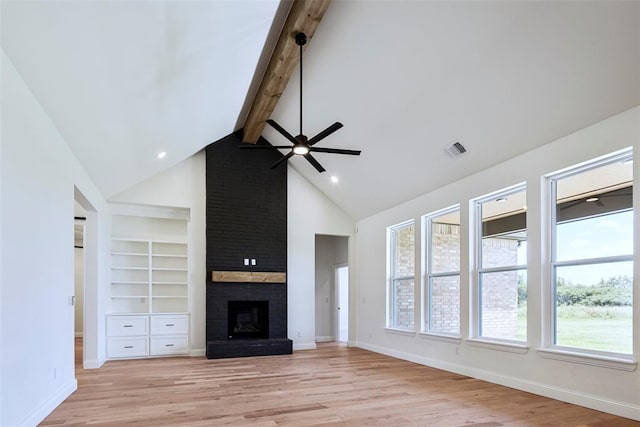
{"x": 39, "y": 173}
{"x": 182, "y": 186}
{"x": 309, "y": 213}
{"x": 330, "y": 251}
{"x": 602, "y": 388}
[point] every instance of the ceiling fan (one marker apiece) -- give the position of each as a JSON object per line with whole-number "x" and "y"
{"x": 302, "y": 145}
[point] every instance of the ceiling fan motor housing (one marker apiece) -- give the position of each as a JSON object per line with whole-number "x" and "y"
{"x": 301, "y": 39}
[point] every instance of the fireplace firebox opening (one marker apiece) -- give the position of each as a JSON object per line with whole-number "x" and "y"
{"x": 248, "y": 319}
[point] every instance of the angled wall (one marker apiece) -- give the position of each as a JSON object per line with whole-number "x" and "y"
{"x": 39, "y": 175}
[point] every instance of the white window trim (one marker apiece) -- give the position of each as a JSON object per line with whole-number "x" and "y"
{"x": 476, "y": 325}
{"x": 449, "y": 338}
{"x": 590, "y": 357}
{"x": 549, "y": 349}
{"x": 509, "y": 346}
{"x": 427, "y": 275}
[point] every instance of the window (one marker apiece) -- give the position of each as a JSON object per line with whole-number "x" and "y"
{"x": 501, "y": 235}
{"x": 592, "y": 256}
{"x": 442, "y": 296}
{"x": 401, "y": 278}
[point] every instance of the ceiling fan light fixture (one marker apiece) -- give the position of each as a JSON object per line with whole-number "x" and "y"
{"x": 301, "y": 150}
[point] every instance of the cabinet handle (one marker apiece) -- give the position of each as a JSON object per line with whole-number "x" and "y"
{"x": 168, "y": 345}
{"x": 128, "y": 326}
{"x": 128, "y": 346}
{"x": 169, "y": 324}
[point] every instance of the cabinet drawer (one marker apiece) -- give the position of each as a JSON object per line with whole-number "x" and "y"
{"x": 169, "y": 345}
{"x": 124, "y": 326}
{"x": 127, "y": 347}
{"x": 169, "y": 325}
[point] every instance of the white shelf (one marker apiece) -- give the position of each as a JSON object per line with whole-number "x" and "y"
{"x": 128, "y": 282}
{"x": 149, "y": 262}
{"x": 169, "y": 283}
{"x": 130, "y": 253}
{"x": 167, "y": 256}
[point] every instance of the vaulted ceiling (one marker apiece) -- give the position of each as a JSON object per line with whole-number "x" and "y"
{"x": 125, "y": 80}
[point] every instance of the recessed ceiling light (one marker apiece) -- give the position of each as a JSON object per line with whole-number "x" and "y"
{"x": 501, "y": 199}
{"x": 592, "y": 199}
{"x": 334, "y": 179}
{"x": 161, "y": 155}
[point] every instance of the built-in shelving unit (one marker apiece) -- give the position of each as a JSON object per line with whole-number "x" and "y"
{"x": 149, "y": 288}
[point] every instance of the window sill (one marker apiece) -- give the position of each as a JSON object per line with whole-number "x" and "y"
{"x": 404, "y": 332}
{"x": 509, "y": 347}
{"x": 611, "y": 362}
{"x": 453, "y": 339}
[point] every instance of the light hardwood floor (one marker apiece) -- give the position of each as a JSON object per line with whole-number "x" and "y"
{"x": 333, "y": 385}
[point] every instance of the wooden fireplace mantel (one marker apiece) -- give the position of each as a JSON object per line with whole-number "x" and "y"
{"x": 248, "y": 276}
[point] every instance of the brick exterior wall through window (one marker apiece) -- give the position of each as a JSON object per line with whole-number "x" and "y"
{"x": 404, "y": 265}
{"x": 499, "y": 292}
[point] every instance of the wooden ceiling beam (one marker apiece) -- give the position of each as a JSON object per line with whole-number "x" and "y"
{"x": 304, "y": 16}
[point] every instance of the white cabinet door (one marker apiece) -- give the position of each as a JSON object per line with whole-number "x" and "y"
{"x": 127, "y": 347}
{"x": 169, "y": 325}
{"x": 125, "y": 326}
{"x": 162, "y": 345}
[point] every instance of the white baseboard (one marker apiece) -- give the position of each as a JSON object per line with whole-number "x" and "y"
{"x": 589, "y": 401}
{"x": 198, "y": 352}
{"x": 304, "y": 346}
{"x": 92, "y": 364}
{"x": 325, "y": 339}
{"x": 52, "y": 403}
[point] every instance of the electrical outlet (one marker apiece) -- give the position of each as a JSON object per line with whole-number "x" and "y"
{"x": 457, "y": 350}
{"x": 253, "y": 261}
{"x": 246, "y": 261}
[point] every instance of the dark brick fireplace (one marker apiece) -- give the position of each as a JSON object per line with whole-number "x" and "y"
{"x": 246, "y": 219}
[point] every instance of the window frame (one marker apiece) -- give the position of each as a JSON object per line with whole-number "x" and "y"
{"x": 550, "y": 346}
{"x": 392, "y": 279}
{"x": 429, "y": 275}
{"x": 480, "y": 270}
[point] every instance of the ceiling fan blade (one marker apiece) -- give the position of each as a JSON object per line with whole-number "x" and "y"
{"x": 264, "y": 146}
{"x": 314, "y": 162}
{"x": 325, "y": 133}
{"x": 280, "y": 129}
{"x": 335, "y": 151}
{"x": 283, "y": 159}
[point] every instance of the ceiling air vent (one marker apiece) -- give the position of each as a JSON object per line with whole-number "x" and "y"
{"x": 454, "y": 150}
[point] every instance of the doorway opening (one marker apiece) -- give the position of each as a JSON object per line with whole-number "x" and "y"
{"x": 87, "y": 311}
{"x": 78, "y": 296}
{"x": 342, "y": 303}
{"x": 331, "y": 289}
